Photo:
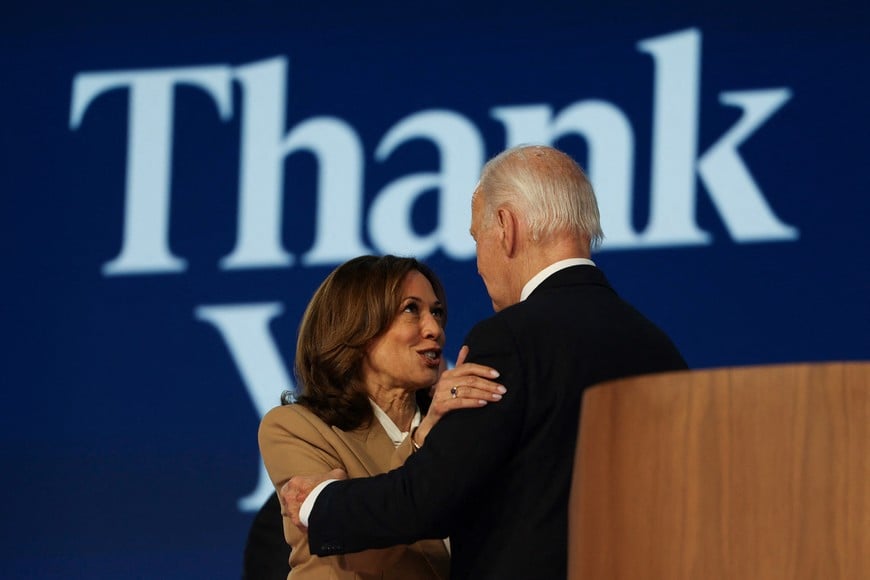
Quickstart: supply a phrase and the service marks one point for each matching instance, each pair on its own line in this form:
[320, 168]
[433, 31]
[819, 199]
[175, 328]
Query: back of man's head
[548, 188]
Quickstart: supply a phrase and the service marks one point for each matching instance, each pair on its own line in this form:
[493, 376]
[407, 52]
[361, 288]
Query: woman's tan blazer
[294, 441]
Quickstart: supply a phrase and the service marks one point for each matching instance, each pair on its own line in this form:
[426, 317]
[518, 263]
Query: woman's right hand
[466, 386]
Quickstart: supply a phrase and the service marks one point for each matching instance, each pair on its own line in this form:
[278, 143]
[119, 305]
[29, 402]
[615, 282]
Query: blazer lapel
[370, 445]
[436, 554]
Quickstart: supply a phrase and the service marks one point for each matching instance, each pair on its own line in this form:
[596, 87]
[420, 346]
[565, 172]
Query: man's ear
[509, 229]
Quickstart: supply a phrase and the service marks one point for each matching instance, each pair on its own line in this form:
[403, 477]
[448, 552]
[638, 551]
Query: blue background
[127, 433]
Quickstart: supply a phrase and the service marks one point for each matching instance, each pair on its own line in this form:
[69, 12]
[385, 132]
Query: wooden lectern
[752, 473]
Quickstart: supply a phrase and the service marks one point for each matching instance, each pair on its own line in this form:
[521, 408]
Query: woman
[370, 343]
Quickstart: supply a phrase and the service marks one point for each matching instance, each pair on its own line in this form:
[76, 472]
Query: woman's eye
[438, 313]
[411, 307]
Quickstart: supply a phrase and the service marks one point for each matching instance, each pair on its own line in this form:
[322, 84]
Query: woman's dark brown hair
[356, 303]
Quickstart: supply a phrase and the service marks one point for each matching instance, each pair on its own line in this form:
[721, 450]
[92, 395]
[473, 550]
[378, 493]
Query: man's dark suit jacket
[496, 480]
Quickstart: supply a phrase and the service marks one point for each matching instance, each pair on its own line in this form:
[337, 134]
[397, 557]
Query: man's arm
[418, 500]
[299, 494]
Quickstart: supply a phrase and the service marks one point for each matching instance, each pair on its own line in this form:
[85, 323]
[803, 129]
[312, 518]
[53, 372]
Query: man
[497, 481]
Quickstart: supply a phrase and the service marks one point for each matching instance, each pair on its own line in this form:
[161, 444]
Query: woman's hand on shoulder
[466, 386]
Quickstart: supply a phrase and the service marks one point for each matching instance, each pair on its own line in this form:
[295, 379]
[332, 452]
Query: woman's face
[408, 355]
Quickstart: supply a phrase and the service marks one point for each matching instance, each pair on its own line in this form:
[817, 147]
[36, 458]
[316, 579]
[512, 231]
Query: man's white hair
[547, 188]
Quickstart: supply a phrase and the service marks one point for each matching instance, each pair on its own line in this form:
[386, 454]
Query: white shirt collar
[393, 432]
[549, 271]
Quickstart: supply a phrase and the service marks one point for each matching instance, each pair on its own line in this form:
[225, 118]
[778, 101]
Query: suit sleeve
[461, 456]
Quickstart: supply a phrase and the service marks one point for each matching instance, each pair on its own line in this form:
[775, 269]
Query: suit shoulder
[496, 333]
[505, 319]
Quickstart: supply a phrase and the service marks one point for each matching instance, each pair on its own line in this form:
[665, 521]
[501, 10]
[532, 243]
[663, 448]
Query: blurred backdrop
[176, 178]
